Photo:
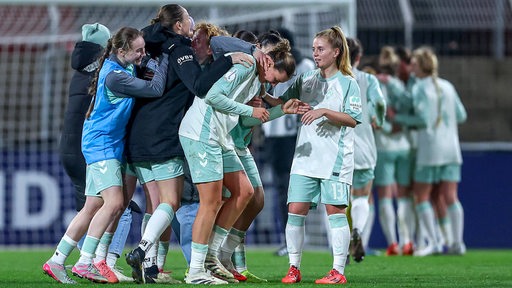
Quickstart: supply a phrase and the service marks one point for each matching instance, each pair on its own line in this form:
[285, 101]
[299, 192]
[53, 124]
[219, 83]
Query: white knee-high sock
[65, 247]
[403, 212]
[295, 231]
[159, 221]
[367, 231]
[456, 214]
[359, 212]
[197, 256]
[234, 238]
[387, 219]
[216, 238]
[427, 221]
[340, 233]
[446, 229]
[102, 249]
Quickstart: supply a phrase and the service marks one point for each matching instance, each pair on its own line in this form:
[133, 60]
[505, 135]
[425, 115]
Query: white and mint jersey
[286, 126]
[385, 140]
[365, 154]
[324, 150]
[440, 109]
[210, 120]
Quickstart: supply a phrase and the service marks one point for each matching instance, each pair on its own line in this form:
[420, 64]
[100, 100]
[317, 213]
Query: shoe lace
[293, 271]
[103, 269]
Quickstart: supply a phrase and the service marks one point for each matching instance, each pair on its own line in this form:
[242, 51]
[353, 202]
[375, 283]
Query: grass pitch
[478, 268]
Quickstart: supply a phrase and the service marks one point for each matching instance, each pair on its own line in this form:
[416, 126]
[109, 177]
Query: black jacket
[153, 128]
[83, 61]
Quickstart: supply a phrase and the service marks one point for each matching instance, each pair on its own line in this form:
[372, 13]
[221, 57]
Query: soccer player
[113, 89]
[438, 111]
[323, 163]
[204, 134]
[394, 161]
[365, 155]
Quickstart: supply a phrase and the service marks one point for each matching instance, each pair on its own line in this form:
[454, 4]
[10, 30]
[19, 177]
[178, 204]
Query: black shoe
[151, 275]
[282, 251]
[356, 246]
[135, 258]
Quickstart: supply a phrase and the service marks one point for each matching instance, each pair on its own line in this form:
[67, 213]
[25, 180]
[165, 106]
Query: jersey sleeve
[124, 85]
[375, 96]
[460, 111]
[275, 112]
[352, 105]
[218, 96]
[293, 92]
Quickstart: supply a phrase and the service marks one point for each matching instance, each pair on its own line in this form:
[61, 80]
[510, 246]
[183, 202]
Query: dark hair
[168, 15]
[121, 40]
[246, 35]
[269, 38]
[283, 59]
[355, 49]
[403, 53]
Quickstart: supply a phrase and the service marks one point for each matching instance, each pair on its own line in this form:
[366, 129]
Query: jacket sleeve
[221, 45]
[184, 63]
[125, 85]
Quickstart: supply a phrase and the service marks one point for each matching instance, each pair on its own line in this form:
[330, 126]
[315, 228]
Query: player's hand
[242, 58]
[261, 57]
[311, 116]
[295, 106]
[261, 114]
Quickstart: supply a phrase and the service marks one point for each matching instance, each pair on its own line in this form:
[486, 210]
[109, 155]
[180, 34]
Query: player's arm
[374, 94]
[124, 85]
[187, 68]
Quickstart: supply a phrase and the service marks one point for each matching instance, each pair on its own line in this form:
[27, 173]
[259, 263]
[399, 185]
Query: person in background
[365, 155]
[437, 112]
[394, 164]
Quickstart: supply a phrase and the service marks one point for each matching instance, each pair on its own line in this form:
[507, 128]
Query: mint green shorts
[209, 162]
[394, 167]
[102, 175]
[159, 171]
[362, 177]
[436, 174]
[250, 167]
[316, 190]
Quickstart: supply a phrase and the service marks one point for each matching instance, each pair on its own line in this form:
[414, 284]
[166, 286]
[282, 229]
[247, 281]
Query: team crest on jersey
[184, 59]
[355, 103]
[230, 75]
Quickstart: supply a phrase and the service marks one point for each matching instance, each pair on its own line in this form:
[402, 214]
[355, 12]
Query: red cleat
[393, 249]
[408, 249]
[237, 275]
[333, 277]
[293, 276]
